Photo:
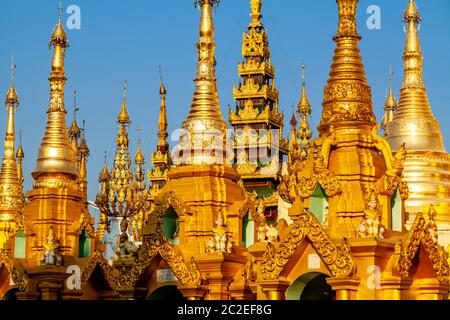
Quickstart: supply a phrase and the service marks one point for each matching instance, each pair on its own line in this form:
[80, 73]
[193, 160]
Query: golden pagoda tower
[20, 154]
[11, 196]
[203, 182]
[74, 130]
[161, 158]
[84, 154]
[123, 192]
[389, 107]
[304, 111]
[256, 118]
[347, 222]
[427, 166]
[56, 201]
[292, 139]
[346, 137]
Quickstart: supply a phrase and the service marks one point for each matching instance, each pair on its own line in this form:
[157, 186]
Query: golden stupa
[427, 165]
[213, 224]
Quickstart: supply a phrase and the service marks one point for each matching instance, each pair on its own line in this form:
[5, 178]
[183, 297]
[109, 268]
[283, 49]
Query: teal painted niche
[318, 203]
[248, 231]
[170, 225]
[20, 242]
[396, 211]
[84, 245]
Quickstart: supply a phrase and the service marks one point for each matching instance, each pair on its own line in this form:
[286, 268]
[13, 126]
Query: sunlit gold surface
[205, 124]
[11, 197]
[427, 167]
[389, 108]
[161, 158]
[56, 154]
[58, 198]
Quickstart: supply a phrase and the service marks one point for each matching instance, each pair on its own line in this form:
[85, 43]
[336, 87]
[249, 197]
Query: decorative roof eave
[253, 67]
[158, 245]
[18, 276]
[110, 273]
[254, 91]
[251, 115]
[341, 264]
[255, 44]
[407, 248]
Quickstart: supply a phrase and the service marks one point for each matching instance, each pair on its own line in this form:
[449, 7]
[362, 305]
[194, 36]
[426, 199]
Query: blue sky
[121, 40]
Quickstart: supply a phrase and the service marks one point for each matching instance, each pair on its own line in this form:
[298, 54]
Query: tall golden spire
[20, 155]
[389, 107]
[123, 199]
[139, 161]
[292, 138]
[304, 110]
[162, 145]
[56, 154]
[123, 116]
[84, 154]
[75, 131]
[205, 128]
[414, 122]
[347, 97]
[161, 158]
[11, 200]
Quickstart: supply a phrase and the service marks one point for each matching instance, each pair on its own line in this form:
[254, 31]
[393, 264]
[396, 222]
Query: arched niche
[20, 243]
[396, 211]
[318, 203]
[248, 231]
[310, 286]
[84, 245]
[10, 294]
[171, 225]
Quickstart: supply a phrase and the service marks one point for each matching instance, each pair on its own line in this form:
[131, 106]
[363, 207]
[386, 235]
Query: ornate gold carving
[295, 185]
[347, 97]
[154, 244]
[338, 258]
[19, 278]
[251, 89]
[255, 43]
[110, 273]
[407, 248]
[84, 224]
[249, 272]
[166, 201]
[252, 66]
